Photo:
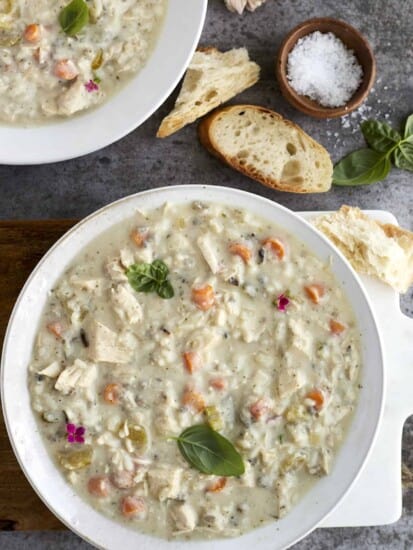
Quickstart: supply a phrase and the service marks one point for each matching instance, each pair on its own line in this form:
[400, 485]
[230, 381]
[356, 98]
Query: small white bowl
[39, 467]
[81, 134]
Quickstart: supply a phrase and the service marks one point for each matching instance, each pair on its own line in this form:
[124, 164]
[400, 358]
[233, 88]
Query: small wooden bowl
[353, 39]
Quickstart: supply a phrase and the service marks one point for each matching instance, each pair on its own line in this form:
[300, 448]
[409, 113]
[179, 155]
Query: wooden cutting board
[22, 244]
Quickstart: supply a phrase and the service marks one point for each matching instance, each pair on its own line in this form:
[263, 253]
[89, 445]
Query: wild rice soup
[54, 66]
[258, 341]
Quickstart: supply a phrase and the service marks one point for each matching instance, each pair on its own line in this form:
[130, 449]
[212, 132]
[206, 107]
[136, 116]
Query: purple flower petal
[75, 434]
[91, 86]
[282, 302]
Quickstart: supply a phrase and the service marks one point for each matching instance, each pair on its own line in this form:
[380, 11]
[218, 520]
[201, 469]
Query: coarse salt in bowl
[325, 68]
[322, 68]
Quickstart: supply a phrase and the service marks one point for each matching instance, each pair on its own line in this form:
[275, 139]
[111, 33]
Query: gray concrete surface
[140, 161]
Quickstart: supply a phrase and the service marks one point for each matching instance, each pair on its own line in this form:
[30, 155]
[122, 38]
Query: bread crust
[206, 49]
[204, 133]
[397, 232]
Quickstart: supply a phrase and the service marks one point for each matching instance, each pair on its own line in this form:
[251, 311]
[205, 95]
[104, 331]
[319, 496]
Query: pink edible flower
[91, 86]
[75, 434]
[282, 302]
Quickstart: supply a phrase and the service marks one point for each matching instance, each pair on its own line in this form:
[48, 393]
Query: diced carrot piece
[56, 328]
[122, 479]
[192, 361]
[241, 250]
[259, 408]
[218, 383]
[336, 327]
[111, 393]
[203, 297]
[139, 237]
[276, 246]
[315, 292]
[133, 506]
[217, 486]
[65, 69]
[193, 400]
[32, 33]
[318, 397]
[98, 486]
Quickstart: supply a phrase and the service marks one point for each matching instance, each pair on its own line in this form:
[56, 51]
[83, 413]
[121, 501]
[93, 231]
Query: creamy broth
[258, 340]
[44, 73]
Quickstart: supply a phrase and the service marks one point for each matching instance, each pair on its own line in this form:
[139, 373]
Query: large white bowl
[41, 470]
[64, 139]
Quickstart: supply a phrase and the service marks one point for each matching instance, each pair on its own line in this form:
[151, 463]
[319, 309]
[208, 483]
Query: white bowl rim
[235, 543]
[94, 129]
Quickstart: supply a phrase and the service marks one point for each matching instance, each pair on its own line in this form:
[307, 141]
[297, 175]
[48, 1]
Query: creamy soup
[54, 63]
[195, 315]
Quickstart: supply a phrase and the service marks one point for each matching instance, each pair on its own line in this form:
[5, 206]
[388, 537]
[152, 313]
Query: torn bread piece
[379, 249]
[212, 78]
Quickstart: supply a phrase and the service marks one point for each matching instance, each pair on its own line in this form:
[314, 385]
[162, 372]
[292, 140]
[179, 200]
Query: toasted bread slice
[379, 249]
[264, 146]
[212, 78]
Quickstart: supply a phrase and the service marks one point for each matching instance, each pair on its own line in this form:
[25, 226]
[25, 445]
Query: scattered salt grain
[353, 120]
[345, 122]
[321, 67]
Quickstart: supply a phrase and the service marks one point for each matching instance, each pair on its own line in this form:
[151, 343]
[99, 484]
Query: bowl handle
[405, 364]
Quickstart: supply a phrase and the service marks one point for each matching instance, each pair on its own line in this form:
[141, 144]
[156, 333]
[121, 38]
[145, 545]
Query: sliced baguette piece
[212, 78]
[379, 249]
[263, 145]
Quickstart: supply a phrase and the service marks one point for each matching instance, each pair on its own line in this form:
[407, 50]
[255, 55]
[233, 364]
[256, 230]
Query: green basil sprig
[210, 452]
[74, 17]
[152, 277]
[379, 135]
[403, 156]
[373, 164]
[362, 168]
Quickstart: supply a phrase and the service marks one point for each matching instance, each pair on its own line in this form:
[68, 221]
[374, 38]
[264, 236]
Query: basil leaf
[159, 270]
[139, 277]
[145, 284]
[165, 290]
[379, 136]
[74, 17]
[152, 277]
[403, 155]
[362, 167]
[210, 452]
[408, 128]
[142, 269]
